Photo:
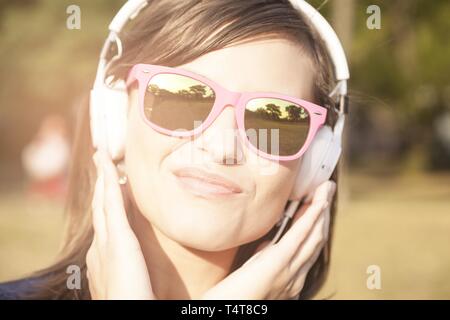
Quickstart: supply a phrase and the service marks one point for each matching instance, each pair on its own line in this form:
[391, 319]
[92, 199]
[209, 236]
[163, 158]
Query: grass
[30, 234]
[401, 224]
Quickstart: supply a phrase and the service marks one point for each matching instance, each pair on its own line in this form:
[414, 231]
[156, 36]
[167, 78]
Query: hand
[116, 267]
[279, 271]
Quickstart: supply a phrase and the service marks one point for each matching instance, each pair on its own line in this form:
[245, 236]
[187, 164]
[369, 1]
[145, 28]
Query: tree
[293, 112]
[274, 111]
[198, 91]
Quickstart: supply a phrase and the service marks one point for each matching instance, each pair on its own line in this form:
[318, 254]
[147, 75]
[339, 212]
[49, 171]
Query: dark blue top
[17, 289]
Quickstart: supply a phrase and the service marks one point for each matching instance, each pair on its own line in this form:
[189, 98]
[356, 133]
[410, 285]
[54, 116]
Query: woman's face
[204, 215]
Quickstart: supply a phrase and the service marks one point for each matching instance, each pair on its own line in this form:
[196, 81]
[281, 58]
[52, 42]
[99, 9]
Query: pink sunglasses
[180, 103]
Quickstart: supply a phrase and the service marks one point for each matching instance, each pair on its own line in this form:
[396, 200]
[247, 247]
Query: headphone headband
[326, 32]
[129, 11]
[341, 71]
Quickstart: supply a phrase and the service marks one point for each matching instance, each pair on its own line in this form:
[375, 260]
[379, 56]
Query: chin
[201, 234]
[213, 236]
[204, 241]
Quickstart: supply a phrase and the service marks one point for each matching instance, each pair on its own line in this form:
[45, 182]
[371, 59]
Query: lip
[201, 182]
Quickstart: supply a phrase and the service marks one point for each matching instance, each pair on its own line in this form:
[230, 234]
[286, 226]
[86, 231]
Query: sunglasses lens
[276, 126]
[177, 102]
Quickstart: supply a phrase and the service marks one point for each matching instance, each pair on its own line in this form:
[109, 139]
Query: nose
[221, 139]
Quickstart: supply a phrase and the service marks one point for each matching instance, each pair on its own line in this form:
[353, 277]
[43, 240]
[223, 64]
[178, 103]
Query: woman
[198, 229]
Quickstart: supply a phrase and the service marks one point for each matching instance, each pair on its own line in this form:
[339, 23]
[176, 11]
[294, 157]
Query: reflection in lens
[177, 102]
[282, 126]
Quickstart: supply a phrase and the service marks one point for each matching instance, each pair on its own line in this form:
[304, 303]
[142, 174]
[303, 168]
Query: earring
[123, 179]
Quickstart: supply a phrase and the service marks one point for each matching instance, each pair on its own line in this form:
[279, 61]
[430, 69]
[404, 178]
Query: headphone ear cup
[109, 113]
[318, 163]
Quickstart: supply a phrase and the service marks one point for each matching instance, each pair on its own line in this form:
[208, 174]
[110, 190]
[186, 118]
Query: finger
[91, 261]
[98, 216]
[92, 254]
[328, 215]
[324, 191]
[93, 287]
[304, 260]
[116, 219]
[294, 237]
[90, 285]
[299, 278]
[312, 245]
[326, 227]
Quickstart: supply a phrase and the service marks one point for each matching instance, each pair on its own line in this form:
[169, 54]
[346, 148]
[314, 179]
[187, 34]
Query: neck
[177, 271]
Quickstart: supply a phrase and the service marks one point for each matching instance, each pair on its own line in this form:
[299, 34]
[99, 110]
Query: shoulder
[18, 289]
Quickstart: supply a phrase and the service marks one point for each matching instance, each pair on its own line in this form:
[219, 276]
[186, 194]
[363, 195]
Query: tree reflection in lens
[286, 125]
[177, 102]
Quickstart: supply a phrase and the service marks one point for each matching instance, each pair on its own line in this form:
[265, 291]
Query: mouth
[205, 184]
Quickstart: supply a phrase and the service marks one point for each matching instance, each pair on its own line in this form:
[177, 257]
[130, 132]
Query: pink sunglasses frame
[144, 72]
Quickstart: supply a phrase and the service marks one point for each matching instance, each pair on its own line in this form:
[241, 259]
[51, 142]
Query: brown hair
[171, 33]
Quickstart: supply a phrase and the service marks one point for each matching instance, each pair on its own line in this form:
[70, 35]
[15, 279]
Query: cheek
[144, 152]
[144, 147]
[272, 194]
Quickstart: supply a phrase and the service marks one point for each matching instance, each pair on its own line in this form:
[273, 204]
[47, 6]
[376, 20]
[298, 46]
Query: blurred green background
[394, 205]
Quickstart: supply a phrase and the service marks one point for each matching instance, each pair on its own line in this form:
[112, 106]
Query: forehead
[274, 65]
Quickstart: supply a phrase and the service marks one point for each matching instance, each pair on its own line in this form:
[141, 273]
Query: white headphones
[109, 106]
